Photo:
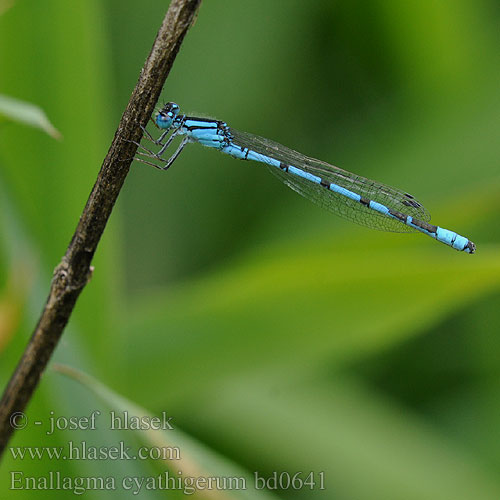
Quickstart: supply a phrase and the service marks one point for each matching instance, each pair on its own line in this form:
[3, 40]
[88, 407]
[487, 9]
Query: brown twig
[74, 271]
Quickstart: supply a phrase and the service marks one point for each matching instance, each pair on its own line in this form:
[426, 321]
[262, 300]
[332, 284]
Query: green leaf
[369, 447]
[26, 113]
[334, 303]
[196, 460]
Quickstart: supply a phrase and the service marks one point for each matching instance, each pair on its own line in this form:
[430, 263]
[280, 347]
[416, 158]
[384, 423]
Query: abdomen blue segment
[252, 155]
[343, 192]
[378, 207]
[451, 238]
[234, 151]
[303, 174]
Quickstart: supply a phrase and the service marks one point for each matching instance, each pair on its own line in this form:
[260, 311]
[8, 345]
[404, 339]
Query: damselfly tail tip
[470, 247]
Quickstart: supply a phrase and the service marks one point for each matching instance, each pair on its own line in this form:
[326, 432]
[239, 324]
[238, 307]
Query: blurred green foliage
[279, 336]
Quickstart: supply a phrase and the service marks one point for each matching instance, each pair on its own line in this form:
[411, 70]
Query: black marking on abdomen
[284, 166]
[365, 201]
[424, 225]
[398, 215]
[325, 183]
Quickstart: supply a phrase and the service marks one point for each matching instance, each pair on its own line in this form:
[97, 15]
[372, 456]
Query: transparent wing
[336, 203]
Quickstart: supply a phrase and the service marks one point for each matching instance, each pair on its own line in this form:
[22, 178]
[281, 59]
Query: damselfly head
[167, 114]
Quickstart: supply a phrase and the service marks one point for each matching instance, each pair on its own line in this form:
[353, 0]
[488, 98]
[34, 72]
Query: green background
[277, 335]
